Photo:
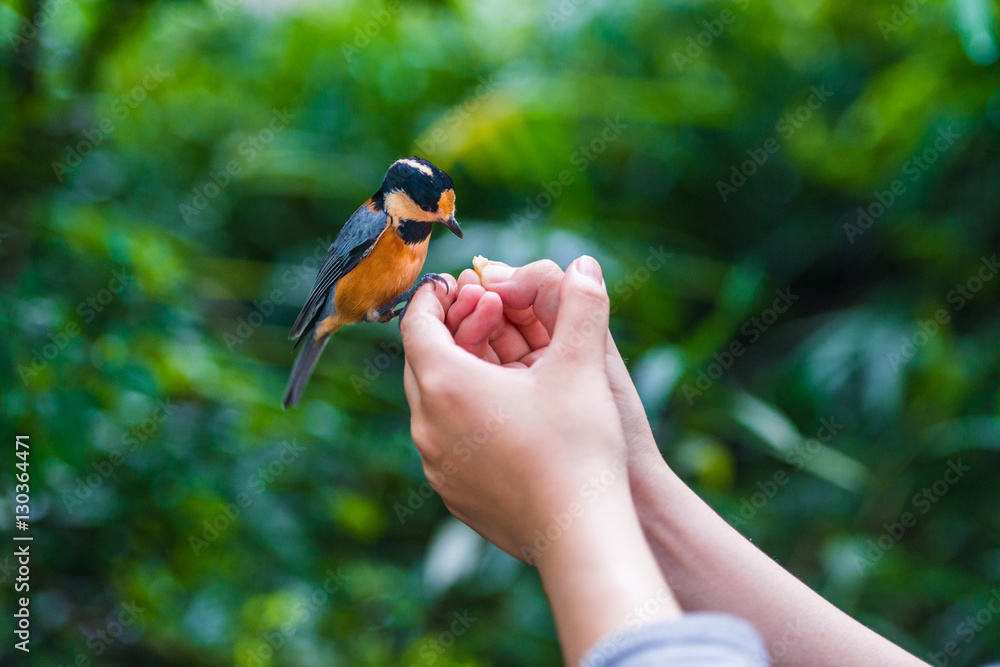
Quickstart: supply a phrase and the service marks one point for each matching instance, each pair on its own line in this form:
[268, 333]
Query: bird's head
[414, 189]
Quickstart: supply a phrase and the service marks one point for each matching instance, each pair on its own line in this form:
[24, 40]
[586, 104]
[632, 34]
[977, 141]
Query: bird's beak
[452, 224]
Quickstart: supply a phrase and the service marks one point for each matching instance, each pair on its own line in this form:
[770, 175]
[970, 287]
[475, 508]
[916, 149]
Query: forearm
[601, 577]
[712, 567]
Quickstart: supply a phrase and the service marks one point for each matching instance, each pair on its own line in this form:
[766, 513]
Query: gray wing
[354, 241]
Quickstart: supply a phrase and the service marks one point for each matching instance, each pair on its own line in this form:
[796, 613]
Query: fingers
[530, 295]
[477, 329]
[508, 342]
[534, 286]
[476, 321]
[528, 328]
[445, 296]
[468, 298]
[426, 339]
[581, 329]
[529, 359]
[518, 334]
[468, 277]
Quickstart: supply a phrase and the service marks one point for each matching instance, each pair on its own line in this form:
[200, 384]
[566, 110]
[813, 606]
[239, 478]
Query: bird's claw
[386, 313]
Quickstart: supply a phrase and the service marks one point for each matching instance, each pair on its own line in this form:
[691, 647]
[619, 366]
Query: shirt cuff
[706, 639]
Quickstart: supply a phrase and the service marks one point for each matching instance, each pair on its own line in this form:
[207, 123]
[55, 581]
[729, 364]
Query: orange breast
[386, 272]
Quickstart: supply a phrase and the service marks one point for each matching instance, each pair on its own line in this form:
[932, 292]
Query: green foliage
[170, 170]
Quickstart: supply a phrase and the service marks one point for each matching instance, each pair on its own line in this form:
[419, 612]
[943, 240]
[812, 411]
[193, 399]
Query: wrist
[593, 523]
[600, 575]
[603, 545]
[649, 475]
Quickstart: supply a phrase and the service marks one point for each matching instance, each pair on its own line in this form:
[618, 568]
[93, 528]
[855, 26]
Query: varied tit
[374, 259]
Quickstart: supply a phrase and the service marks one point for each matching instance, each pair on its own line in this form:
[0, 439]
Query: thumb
[581, 330]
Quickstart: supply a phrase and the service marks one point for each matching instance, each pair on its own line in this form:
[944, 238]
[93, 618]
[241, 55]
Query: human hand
[710, 565]
[524, 444]
[509, 448]
[515, 332]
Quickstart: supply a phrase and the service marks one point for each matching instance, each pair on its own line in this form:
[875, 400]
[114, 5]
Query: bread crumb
[479, 263]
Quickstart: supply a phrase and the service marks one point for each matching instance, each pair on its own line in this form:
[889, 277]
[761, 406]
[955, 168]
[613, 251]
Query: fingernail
[497, 274]
[589, 267]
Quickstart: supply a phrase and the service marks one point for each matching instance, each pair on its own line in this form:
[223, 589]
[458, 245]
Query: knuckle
[454, 510]
[440, 388]
[594, 293]
[546, 267]
[422, 438]
[412, 326]
[408, 327]
[432, 384]
[592, 297]
[468, 277]
[433, 477]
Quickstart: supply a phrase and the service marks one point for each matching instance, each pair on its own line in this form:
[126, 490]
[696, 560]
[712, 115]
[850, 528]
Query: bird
[377, 255]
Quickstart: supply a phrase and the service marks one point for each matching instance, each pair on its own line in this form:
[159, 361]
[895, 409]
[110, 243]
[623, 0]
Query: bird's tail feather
[312, 348]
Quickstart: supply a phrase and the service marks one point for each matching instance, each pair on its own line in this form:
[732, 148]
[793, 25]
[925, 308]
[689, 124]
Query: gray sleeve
[696, 640]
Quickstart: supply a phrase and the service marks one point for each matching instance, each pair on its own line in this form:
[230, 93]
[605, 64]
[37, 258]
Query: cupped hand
[507, 317]
[512, 434]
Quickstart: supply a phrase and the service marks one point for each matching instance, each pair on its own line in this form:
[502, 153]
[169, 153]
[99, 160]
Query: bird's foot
[387, 312]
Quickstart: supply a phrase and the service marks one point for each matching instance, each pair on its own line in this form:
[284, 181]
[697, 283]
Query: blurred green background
[818, 353]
